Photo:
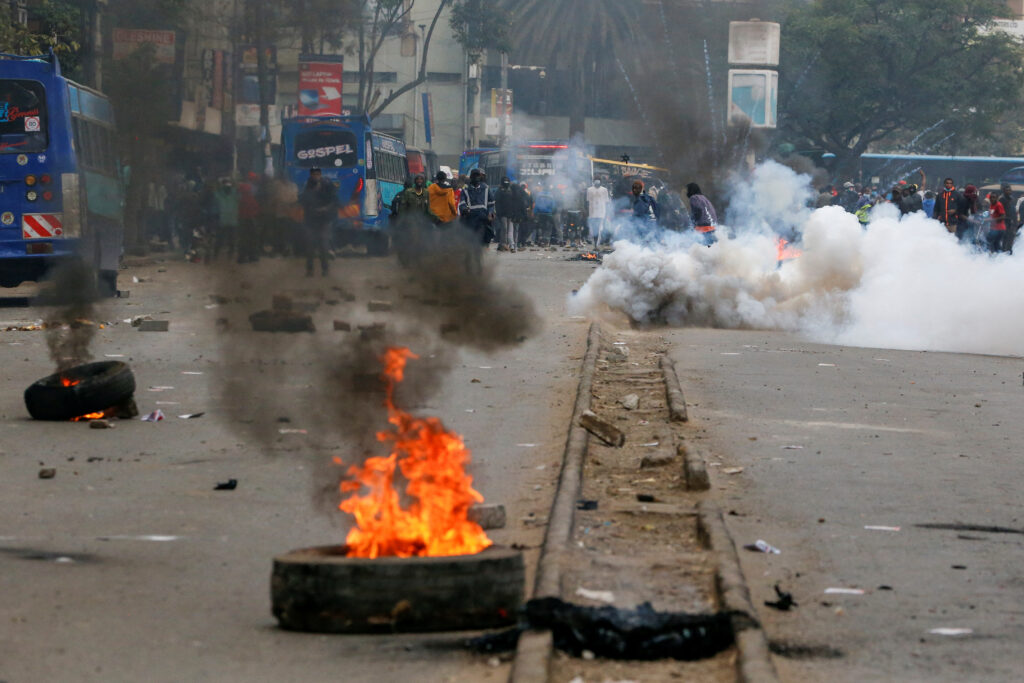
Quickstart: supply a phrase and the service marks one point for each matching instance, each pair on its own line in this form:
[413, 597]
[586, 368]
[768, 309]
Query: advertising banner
[128, 40]
[320, 81]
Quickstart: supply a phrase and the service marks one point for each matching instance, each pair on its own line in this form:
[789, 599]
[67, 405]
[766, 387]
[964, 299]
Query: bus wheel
[378, 243]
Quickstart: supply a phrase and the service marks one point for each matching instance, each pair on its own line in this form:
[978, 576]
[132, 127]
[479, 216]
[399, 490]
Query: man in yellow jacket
[442, 199]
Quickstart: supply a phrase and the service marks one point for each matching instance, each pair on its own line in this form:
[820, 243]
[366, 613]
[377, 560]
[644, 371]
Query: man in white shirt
[597, 209]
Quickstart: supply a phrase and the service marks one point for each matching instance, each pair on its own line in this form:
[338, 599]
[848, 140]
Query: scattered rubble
[602, 429]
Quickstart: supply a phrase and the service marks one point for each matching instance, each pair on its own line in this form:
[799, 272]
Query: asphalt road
[833, 440]
[86, 591]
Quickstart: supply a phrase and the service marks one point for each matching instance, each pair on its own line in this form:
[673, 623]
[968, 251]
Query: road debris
[641, 633]
[47, 472]
[732, 470]
[191, 416]
[379, 306]
[760, 546]
[951, 631]
[630, 401]
[586, 504]
[372, 332]
[155, 416]
[659, 459]
[597, 596]
[229, 485]
[785, 601]
[341, 326]
[602, 429]
[281, 321]
[871, 527]
[844, 591]
[488, 516]
[101, 424]
[292, 431]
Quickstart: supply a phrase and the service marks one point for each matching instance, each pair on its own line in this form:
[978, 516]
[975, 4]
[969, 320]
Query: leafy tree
[572, 35]
[56, 25]
[859, 72]
[481, 25]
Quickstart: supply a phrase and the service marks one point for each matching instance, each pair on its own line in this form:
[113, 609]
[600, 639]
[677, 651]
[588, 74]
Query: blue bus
[470, 159]
[368, 168]
[61, 194]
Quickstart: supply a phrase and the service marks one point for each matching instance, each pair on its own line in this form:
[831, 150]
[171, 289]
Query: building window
[443, 77]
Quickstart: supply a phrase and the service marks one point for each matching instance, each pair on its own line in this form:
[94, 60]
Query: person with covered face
[476, 207]
[702, 213]
[319, 201]
[507, 209]
[415, 221]
[951, 208]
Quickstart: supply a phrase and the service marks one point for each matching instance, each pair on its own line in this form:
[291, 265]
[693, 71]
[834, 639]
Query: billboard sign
[754, 42]
[753, 96]
[128, 40]
[320, 81]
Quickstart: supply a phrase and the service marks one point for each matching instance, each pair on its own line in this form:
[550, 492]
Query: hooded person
[476, 207]
[442, 199]
[702, 213]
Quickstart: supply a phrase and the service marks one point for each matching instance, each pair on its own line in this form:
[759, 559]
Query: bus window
[22, 116]
[416, 164]
[326, 148]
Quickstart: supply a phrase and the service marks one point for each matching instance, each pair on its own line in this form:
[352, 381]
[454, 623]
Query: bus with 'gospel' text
[368, 169]
[61, 194]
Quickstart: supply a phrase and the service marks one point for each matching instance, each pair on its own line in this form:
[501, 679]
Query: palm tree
[573, 36]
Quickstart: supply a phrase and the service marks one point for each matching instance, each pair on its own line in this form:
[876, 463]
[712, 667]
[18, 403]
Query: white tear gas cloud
[898, 283]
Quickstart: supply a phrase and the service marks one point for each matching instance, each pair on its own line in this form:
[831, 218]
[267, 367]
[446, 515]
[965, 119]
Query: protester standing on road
[476, 207]
[997, 224]
[1012, 217]
[507, 210]
[415, 221]
[951, 208]
[544, 207]
[703, 214]
[226, 200]
[526, 222]
[442, 200]
[319, 201]
[598, 200]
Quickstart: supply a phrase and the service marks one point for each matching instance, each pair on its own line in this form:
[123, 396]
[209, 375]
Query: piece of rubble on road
[602, 429]
[488, 516]
[659, 458]
[341, 326]
[378, 306]
[372, 332]
[154, 325]
[281, 321]
[630, 401]
[48, 473]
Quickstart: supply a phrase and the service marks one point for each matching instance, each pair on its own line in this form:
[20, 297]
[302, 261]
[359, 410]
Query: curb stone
[754, 664]
[673, 391]
[533, 652]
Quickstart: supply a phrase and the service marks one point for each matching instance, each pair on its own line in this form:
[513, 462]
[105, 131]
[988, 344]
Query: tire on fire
[321, 590]
[99, 386]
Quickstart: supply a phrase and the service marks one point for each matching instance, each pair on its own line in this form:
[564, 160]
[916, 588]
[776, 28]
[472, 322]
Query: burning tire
[323, 591]
[89, 388]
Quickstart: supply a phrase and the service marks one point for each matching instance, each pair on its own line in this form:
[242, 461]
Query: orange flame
[433, 461]
[786, 253]
[90, 416]
[66, 382]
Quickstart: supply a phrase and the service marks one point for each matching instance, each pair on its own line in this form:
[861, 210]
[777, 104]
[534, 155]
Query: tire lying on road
[321, 590]
[97, 386]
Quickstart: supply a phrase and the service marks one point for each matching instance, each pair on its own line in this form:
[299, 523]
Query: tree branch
[423, 65]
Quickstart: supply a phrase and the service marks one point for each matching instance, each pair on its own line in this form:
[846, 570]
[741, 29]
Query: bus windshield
[330, 147]
[22, 116]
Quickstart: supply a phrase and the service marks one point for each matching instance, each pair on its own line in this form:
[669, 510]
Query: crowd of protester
[989, 222]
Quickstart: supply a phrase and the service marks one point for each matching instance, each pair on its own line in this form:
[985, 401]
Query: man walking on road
[319, 201]
[477, 207]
